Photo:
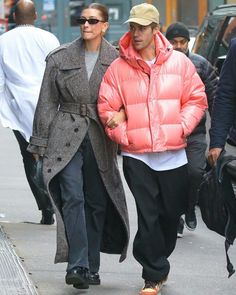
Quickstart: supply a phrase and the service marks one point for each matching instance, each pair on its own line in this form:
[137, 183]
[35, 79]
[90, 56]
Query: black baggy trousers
[161, 198]
[42, 199]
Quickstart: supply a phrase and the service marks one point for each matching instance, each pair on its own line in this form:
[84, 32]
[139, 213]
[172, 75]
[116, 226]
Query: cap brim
[140, 21]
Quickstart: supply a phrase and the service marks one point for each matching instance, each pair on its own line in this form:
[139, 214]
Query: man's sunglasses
[91, 21]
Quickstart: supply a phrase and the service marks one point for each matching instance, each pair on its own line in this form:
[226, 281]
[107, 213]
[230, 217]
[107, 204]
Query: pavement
[198, 264]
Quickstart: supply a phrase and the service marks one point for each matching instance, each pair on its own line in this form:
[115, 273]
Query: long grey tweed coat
[66, 111]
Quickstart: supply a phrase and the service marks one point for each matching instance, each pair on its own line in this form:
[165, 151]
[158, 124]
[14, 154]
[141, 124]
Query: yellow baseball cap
[144, 14]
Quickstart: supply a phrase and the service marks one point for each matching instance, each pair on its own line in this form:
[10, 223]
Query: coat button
[59, 159]
[67, 144]
[49, 170]
[76, 129]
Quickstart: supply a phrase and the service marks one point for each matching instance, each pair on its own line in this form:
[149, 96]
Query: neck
[148, 53]
[93, 45]
[24, 25]
[24, 22]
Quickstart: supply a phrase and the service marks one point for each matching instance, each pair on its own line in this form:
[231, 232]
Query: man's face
[142, 36]
[180, 44]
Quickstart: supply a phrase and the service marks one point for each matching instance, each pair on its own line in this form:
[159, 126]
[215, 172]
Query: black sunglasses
[91, 21]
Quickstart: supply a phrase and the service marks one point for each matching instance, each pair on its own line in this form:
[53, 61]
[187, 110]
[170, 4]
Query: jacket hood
[163, 49]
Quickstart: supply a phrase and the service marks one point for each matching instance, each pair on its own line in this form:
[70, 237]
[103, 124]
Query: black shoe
[94, 278]
[47, 217]
[191, 220]
[78, 278]
[81, 286]
[180, 228]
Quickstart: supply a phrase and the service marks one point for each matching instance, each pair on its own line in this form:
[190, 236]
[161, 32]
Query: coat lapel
[105, 58]
[74, 58]
[75, 73]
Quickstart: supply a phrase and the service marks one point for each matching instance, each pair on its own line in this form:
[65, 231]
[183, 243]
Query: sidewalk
[14, 279]
[198, 265]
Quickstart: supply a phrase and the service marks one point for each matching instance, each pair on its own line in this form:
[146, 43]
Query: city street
[198, 265]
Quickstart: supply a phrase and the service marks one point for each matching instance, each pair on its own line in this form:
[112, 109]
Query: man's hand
[118, 118]
[213, 155]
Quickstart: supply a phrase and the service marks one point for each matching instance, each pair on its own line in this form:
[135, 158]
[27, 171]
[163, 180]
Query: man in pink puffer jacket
[150, 100]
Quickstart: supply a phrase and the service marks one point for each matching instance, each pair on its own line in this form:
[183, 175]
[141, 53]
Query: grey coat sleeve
[46, 109]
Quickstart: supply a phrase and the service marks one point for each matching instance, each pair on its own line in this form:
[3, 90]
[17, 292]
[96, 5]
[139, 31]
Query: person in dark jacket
[224, 108]
[79, 161]
[179, 37]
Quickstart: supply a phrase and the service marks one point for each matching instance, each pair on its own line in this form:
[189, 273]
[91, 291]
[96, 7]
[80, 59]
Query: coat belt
[82, 109]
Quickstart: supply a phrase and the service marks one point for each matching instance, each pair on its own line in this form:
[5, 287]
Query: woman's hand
[118, 118]
[36, 157]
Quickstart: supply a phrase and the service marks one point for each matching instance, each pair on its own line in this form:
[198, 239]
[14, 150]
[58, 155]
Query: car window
[208, 34]
[215, 34]
[230, 32]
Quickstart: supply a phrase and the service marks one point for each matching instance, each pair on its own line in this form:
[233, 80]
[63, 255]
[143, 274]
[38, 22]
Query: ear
[105, 27]
[156, 29]
[14, 16]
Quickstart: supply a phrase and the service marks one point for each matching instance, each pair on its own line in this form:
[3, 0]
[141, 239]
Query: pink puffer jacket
[163, 104]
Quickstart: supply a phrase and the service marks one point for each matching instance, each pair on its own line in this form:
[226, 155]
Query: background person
[163, 100]
[224, 108]
[10, 18]
[179, 37]
[79, 160]
[22, 63]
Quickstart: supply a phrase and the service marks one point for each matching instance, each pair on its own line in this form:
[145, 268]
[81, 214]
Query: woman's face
[93, 30]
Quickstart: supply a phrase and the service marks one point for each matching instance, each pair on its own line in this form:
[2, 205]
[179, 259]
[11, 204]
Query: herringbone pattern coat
[66, 111]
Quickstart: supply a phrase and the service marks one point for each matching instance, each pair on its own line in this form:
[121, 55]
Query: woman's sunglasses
[91, 21]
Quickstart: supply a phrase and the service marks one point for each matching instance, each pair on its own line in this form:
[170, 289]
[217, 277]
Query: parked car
[214, 35]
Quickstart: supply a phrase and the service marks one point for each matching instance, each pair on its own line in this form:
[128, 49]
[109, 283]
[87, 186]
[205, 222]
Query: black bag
[43, 199]
[217, 202]
[37, 176]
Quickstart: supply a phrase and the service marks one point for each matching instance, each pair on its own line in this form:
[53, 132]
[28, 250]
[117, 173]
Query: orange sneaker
[151, 288]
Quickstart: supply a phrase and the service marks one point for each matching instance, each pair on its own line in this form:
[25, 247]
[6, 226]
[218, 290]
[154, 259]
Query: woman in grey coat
[79, 161]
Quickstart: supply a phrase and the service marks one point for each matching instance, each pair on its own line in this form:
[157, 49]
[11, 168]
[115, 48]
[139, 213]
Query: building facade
[190, 12]
[59, 16]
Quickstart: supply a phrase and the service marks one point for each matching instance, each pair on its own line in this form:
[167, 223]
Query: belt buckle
[83, 110]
